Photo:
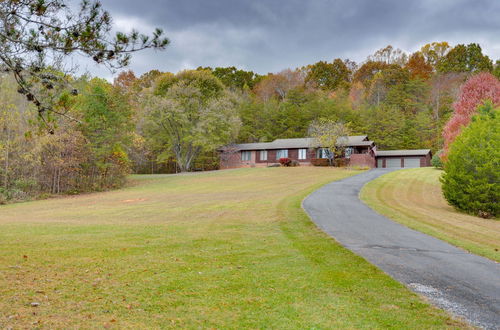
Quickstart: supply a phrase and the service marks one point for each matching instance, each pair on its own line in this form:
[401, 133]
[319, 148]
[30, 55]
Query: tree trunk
[7, 154]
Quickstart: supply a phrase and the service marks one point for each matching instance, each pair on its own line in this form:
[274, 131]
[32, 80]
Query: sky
[272, 35]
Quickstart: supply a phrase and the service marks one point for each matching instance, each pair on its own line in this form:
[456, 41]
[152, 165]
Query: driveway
[464, 284]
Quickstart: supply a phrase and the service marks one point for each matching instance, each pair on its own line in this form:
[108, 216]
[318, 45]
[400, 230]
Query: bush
[285, 161]
[470, 181]
[295, 163]
[341, 162]
[320, 162]
[3, 198]
[436, 160]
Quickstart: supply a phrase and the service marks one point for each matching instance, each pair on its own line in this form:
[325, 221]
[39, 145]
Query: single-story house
[358, 151]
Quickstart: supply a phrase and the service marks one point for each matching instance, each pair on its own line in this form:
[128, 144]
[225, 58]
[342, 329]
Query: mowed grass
[413, 197]
[228, 249]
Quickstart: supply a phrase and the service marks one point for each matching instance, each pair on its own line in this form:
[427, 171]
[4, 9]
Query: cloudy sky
[271, 35]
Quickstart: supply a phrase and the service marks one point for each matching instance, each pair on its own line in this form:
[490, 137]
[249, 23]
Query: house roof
[415, 152]
[352, 141]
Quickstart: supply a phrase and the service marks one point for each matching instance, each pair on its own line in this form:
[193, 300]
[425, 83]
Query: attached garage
[393, 162]
[411, 162]
[403, 158]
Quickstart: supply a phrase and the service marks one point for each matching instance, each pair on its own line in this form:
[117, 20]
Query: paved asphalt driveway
[462, 283]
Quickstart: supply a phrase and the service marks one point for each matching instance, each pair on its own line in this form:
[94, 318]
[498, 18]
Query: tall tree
[418, 66]
[367, 71]
[389, 55]
[329, 76]
[191, 113]
[496, 69]
[465, 58]
[278, 85]
[434, 52]
[233, 78]
[477, 89]
[37, 36]
[105, 122]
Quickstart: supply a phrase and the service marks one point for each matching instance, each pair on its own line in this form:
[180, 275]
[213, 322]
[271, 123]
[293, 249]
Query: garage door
[380, 162]
[393, 162]
[412, 162]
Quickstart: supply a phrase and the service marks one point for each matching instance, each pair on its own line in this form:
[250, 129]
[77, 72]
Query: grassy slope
[413, 197]
[227, 249]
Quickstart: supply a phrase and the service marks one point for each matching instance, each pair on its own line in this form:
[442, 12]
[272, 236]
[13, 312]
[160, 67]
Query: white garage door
[393, 162]
[380, 162]
[412, 162]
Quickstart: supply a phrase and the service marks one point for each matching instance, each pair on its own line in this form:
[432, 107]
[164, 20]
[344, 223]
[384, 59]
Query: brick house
[359, 151]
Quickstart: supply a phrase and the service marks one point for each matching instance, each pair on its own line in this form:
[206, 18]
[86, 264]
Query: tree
[386, 126]
[105, 122]
[496, 69]
[434, 52]
[389, 55]
[233, 78]
[367, 71]
[278, 85]
[445, 88]
[37, 36]
[465, 58]
[125, 80]
[419, 67]
[190, 113]
[329, 76]
[330, 135]
[470, 181]
[481, 87]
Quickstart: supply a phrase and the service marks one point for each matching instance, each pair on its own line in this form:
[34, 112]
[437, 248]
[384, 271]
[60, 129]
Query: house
[358, 151]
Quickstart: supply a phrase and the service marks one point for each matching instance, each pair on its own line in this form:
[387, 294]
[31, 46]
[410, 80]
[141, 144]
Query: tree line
[161, 122]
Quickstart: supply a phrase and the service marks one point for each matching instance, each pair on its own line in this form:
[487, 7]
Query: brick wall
[362, 160]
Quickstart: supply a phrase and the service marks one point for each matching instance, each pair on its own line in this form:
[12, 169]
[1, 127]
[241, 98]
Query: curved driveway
[465, 284]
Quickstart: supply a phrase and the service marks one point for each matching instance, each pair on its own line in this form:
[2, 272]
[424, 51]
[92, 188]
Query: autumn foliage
[474, 92]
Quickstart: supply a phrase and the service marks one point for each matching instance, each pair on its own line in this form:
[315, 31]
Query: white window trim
[279, 154]
[243, 158]
[263, 155]
[302, 154]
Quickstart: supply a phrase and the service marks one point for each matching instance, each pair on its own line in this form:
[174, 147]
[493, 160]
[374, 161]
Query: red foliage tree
[477, 89]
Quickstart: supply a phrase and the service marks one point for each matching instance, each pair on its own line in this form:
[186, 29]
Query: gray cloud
[270, 35]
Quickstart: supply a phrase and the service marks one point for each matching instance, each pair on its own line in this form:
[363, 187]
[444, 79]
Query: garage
[403, 158]
[411, 162]
[393, 162]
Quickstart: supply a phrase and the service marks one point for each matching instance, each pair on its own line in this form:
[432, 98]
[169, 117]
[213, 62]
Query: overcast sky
[271, 35]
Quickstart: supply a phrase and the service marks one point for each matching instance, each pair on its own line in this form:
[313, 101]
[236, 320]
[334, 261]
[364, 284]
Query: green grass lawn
[413, 197]
[228, 249]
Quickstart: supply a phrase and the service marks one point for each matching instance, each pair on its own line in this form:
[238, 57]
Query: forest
[162, 122]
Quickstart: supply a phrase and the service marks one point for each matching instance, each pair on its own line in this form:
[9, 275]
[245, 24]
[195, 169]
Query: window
[348, 152]
[246, 155]
[302, 153]
[283, 153]
[322, 153]
[263, 155]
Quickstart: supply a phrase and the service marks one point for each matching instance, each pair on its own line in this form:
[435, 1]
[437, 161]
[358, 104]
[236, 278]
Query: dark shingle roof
[415, 152]
[352, 141]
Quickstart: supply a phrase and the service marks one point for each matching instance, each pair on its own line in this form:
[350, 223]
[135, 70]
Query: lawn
[227, 249]
[413, 197]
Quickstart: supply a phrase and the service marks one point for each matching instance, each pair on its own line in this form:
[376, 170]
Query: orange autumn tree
[477, 89]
